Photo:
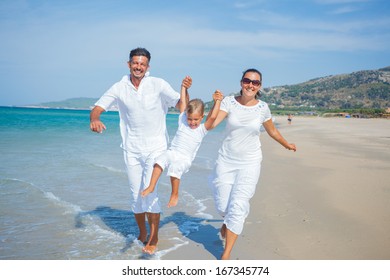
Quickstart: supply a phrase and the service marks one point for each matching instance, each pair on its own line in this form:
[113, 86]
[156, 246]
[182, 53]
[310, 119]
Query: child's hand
[217, 95]
[187, 82]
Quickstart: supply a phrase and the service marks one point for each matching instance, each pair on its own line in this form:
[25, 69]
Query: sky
[55, 50]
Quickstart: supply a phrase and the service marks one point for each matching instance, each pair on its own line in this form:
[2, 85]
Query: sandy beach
[328, 201]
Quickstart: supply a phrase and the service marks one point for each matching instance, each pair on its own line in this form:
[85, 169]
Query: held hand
[97, 126]
[217, 95]
[187, 82]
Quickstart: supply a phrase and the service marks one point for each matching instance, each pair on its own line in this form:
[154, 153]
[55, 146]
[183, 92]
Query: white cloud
[93, 43]
[344, 10]
[341, 1]
[243, 4]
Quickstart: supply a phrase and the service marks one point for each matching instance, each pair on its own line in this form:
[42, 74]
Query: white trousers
[139, 170]
[233, 186]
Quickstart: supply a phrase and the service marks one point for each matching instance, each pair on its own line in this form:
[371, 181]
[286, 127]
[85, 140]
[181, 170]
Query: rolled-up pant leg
[139, 170]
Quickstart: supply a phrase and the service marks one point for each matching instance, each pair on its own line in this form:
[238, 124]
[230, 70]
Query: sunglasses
[247, 81]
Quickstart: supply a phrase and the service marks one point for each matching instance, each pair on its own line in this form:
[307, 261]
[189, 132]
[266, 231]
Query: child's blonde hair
[195, 105]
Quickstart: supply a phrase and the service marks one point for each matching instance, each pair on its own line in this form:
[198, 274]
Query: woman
[237, 169]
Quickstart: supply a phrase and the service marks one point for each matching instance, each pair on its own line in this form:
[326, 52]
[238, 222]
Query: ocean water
[64, 192]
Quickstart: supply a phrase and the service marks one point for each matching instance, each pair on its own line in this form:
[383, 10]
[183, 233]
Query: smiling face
[138, 66]
[195, 113]
[250, 84]
[194, 119]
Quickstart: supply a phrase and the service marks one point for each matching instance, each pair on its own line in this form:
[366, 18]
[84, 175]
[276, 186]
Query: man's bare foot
[147, 191]
[223, 231]
[149, 249]
[173, 200]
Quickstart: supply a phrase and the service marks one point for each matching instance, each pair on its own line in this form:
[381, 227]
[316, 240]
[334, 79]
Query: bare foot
[173, 200]
[147, 191]
[149, 249]
[225, 256]
[223, 231]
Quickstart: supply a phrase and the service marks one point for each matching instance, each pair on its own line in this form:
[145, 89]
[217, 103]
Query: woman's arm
[275, 134]
[213, 113]
[220, 117]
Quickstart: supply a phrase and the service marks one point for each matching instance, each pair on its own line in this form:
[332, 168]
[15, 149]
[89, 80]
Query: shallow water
[64, 191]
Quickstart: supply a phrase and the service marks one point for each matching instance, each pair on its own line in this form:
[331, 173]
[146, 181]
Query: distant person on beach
[143, 102]
[289, 118]
[184, 146]
[237, 168]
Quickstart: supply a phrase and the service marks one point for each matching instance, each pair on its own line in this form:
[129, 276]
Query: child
[178, 158]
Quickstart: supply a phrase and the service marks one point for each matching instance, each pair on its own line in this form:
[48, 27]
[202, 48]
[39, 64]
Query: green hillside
[362, 89]
[73, 103]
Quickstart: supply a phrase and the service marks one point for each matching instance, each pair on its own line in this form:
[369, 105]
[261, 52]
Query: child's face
[194, 119]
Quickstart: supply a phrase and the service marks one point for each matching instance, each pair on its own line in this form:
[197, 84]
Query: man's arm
[95, 124]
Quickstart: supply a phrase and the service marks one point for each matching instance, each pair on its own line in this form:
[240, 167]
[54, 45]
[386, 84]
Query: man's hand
[187, 82]
[97, 126]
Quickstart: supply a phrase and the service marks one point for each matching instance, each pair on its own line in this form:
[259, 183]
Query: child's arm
[213, 113]
[184, 97]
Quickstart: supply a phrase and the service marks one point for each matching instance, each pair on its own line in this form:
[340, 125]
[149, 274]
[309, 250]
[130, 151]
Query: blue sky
[54, 50]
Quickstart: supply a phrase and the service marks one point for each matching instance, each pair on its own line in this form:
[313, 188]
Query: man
[143, 103]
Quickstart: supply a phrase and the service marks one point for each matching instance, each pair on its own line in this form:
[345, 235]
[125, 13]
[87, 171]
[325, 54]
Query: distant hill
[362, 89]
[72, 103]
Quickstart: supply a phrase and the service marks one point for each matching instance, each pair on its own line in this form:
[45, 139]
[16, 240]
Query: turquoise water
[64, 191]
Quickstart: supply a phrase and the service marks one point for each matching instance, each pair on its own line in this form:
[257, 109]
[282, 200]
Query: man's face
[138, 66]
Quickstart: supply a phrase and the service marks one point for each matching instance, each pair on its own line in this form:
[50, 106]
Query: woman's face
[250, 84]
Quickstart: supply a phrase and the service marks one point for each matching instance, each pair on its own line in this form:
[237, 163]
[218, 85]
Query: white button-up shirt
[142, 112]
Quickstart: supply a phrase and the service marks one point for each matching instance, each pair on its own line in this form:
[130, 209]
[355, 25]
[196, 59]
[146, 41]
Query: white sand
[329, 200]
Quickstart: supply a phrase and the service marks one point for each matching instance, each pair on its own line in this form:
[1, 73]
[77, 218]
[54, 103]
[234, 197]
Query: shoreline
[327, 201]
[339, 115]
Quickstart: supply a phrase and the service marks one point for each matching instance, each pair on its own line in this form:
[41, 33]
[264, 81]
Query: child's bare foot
[147, 191]
[174, 199]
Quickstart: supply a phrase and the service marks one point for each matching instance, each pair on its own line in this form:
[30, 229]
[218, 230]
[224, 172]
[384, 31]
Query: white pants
[139, 170]
[233, 186]
[177, 163]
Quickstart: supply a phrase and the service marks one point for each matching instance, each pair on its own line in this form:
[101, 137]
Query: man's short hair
[140, 52]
